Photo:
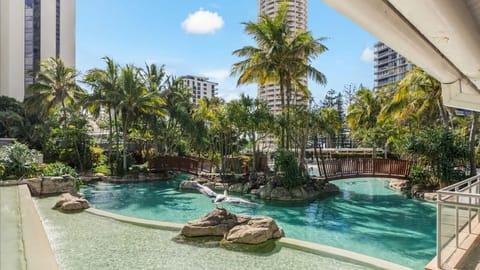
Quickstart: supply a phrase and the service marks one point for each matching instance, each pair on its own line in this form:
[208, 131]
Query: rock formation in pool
[238, 232]
[266, 187]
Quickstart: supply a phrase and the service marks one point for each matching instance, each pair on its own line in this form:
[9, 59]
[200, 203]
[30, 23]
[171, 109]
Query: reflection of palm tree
[55, 86]
[282, 57]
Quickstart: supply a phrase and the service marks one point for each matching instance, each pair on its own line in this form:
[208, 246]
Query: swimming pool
[365, 217]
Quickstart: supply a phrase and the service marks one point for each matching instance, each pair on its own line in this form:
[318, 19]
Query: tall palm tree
[105, 83]
[55, 86]
[134, 101]
[282, 57]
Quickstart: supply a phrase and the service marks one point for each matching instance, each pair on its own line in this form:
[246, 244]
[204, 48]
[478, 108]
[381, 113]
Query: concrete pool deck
[23, 240]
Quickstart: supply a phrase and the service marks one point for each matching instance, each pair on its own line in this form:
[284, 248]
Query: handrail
[462, 196]
[476, 177]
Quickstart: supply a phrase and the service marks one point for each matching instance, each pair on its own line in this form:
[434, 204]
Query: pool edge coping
[38, 250]
[314, 248]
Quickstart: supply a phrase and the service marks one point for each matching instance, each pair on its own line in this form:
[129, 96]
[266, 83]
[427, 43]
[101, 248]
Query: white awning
[440, 36]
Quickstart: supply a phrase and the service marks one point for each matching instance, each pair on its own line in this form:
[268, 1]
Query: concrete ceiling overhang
[440, 36]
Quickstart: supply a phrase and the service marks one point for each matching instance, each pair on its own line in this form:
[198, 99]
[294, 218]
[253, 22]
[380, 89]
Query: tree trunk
[473, 132]
[117, 140]
[323, 163]
[110, 138]
[125, 134]
[315, 143]
[282, 100]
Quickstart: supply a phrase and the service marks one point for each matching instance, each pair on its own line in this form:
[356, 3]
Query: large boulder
[68, 202]
[257, 230]
[233, 228]
[216, 223]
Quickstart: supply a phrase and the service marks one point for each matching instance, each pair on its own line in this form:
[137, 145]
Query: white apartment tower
[390, 67]
[296, 20]
[201, 87]
[32, 31]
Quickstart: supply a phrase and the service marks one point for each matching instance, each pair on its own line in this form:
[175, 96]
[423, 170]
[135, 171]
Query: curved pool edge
[304, 246]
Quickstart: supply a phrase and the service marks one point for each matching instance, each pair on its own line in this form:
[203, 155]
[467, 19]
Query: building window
[57, 30]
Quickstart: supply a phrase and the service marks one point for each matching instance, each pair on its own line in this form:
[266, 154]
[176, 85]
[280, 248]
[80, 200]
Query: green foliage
[71, 144]
[18, 160]
[439, 150]
[103, 169]
[2, 171]
[287, 165]
[58, 169]
[419, 175]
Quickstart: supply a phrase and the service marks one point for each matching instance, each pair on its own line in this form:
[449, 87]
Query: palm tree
[105, 83]
[134, 101]
[55, 86]
[362, 116]
[282, 57]
[252, 119]
[419, 94]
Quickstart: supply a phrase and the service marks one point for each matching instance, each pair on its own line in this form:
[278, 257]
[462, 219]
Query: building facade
[296, 20]
[201, 87]
[32, 31]
[390, 67]
[270, 93]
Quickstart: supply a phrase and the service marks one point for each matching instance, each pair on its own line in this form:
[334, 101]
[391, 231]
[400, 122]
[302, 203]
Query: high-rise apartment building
[389, 66]
[201, 87]
[296, 20]
[32, 31]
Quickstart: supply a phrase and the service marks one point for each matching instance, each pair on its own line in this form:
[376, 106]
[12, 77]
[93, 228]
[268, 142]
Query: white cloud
[367, 55]
[218, 75]
[202, 22]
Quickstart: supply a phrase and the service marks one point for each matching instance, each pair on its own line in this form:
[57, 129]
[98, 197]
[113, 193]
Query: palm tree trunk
[117, 139]
[315, 143]
[125, 134]
[110, 138]
[473, 132]
[282, 100]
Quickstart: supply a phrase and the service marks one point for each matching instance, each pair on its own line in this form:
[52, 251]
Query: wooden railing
[352, 167]
[183, 164]
[334, 168]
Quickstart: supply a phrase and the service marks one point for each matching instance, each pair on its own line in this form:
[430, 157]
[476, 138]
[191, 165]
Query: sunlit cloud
[367, 55]
[202, 22]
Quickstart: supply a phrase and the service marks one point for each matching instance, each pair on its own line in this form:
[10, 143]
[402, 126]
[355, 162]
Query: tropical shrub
[18, 160]
[103, 169]
[286, 164]
[440, 151]
[419, 175]
[58, 169]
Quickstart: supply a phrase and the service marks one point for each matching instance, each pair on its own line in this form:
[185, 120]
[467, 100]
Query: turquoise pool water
[85, 241]
[365, 217]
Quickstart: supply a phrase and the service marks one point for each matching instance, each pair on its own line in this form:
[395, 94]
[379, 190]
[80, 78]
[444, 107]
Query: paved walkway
[23, 241]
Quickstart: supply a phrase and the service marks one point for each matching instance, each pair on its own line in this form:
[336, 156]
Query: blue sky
[198, 37]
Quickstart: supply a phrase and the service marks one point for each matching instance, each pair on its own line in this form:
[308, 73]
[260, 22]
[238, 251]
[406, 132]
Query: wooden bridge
[365, 167]
[182, 164]
[334, 168]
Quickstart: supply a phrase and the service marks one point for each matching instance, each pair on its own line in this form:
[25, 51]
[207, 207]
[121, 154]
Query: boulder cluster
[240, 229]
